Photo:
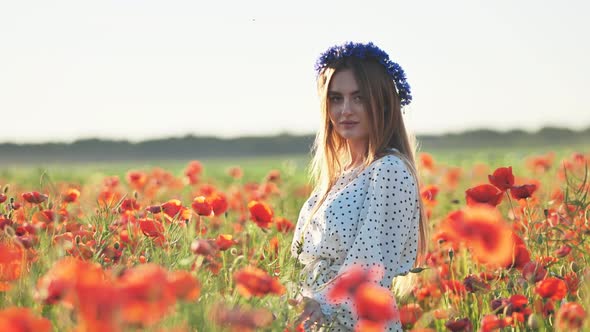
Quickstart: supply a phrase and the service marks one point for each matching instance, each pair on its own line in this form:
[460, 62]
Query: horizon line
[283, 133]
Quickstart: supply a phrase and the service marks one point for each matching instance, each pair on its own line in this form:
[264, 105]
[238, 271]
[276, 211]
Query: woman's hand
[312, 314]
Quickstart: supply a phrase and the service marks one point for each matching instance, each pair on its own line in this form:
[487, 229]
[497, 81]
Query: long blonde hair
[387, 130]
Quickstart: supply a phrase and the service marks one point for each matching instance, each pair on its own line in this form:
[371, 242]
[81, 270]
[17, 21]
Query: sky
[144, 69]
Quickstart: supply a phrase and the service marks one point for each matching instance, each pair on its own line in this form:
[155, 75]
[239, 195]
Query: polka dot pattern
[369, 218]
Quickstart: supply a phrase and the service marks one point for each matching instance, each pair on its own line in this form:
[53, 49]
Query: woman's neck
[358, 153]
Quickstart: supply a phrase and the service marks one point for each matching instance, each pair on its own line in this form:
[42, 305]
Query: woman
[366, 208]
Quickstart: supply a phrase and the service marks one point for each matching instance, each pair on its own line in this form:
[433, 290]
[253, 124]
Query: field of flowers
[207, 248]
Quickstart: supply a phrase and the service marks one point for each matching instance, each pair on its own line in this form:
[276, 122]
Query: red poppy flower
[533, 271]
[542, 163]
[174, 209]
[207, 189]
[441, 313]
[11, 264]
[544, 306]
[194, 166]
[252, 281]
[365, 325]
[71, 195]
[43, 216]
[97, 305]
[375, 303]
[524, 191]
[570, 316]
[459, 325]
[129, 204]
[572, 281]
[184, 285]
[274, 246]
[521, 254]
[427, 291]
[427, 161]
[22, 320]
[553, 288]
[518, 302]
[34, 197]
[578, 157]
[218, 203]
[225, 241]
[491, 323]
[3, 198]
[108, 197]
[548, 260]
[283, 225]
[203, 247]
[260, 213]
[498, 303]
[201, 206]
[474, 284]
[155, 209]
[563, 251]
[5, 222]
[482, 228]
[429, 192]
[145, 295]
[136, 179]
[153, 229]
[502, 178]
[409, 314]
[347, 283]
[150, 227]
[235, 172]
[273, 176]
[452, 177]
[266, 189]
[59, 283]
[454, 286]
[193, 171]
[485, 193]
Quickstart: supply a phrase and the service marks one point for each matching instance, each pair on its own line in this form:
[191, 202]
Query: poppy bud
[154, 209]
[534, 322]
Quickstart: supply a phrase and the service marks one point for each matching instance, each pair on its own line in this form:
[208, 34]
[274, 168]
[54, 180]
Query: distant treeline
[192, 147]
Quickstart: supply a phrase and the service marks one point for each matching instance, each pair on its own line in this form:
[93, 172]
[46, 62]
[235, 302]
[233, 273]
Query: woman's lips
[348, 124]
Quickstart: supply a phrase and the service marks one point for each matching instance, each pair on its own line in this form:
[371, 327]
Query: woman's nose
[346, 106]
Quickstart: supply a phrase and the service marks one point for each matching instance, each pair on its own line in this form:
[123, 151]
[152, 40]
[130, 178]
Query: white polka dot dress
[369, 218]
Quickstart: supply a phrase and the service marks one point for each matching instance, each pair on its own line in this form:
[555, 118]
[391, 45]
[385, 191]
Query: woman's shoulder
[391, 166]
[393, 159]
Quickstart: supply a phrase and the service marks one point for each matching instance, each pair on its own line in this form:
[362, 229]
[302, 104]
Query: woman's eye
[358, 98]
[335, 99]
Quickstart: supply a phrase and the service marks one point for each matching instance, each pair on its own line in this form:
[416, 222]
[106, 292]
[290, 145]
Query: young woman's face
[347, 108]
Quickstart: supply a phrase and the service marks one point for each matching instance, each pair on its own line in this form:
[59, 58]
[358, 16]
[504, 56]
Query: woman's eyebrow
[355, 92]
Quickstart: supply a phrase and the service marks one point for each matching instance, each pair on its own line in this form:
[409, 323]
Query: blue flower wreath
[365, 51]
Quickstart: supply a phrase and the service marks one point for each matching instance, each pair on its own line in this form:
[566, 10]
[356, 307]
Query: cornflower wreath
[366, 51]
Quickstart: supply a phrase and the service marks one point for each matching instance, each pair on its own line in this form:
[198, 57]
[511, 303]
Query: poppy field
[204, 246]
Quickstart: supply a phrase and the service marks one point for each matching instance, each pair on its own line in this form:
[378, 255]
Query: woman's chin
[349, 134]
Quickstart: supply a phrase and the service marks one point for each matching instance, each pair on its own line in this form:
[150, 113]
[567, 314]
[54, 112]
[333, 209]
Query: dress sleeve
[387, 234]
[301, 220]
